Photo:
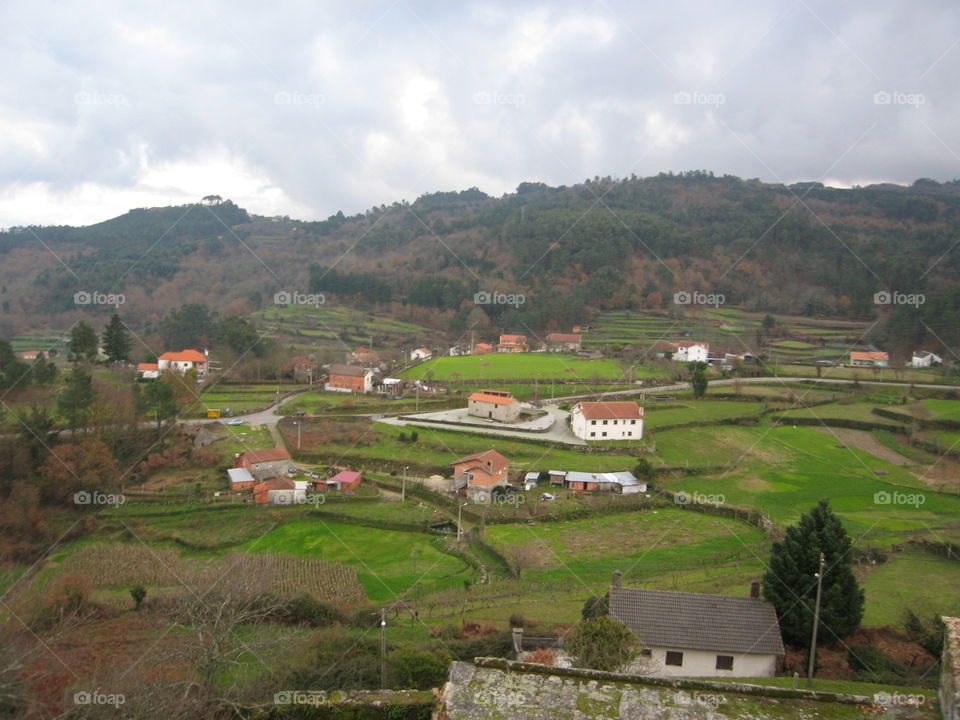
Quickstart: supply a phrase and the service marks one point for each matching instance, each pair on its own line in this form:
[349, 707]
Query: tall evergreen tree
[698, 381]
[75, 401]
[791, 584]
[83, 342]
[116, 340]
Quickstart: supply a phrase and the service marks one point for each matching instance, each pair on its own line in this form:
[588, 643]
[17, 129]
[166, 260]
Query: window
[633, 422]
[604, 422]
[593, 434]
[603, 434]
[593, 422]
[646, 652]
[724, 662]
[674, 657]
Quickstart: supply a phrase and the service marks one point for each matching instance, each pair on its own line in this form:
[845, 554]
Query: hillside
[603, 245]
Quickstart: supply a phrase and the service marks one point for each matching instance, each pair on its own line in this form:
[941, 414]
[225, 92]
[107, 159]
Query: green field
[704, 411]
[511, 366]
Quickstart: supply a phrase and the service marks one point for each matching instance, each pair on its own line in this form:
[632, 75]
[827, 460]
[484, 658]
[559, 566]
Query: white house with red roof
[183, 361]
[607, 421]
[496, 405]
[421, 354]
[148, 371]
[690, 351]
[564, 342]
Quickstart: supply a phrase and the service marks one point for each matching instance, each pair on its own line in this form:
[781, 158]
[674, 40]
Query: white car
[235, 422]
[547, 496]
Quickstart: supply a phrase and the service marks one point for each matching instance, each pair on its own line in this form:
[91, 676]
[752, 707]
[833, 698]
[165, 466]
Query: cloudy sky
[306, 108]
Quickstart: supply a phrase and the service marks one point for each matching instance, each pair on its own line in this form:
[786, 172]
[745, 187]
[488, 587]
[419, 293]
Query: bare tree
[519, 558]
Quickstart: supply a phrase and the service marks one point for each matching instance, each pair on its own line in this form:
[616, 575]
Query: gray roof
[351, 370]
[691, 621]
[622, 478]
[240, 475]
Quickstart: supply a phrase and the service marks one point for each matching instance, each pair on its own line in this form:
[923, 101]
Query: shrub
[138, 593]
[595, 606]
[420, 669]
[307, 610]
[873, 665]
[541, 656]
[602, 643]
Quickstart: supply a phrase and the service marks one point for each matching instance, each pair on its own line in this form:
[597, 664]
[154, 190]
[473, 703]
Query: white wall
[631, 429]
[694, 353]
[700, 663]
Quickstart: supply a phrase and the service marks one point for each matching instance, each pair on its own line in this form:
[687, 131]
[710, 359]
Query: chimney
[517, 641]
[754, 589]
[617, 579]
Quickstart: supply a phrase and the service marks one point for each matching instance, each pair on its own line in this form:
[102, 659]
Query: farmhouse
[148, 371]
[687, 351]
[622, 482]
[363, 356]
[421, 354]
[183, 361]
[494, 405]
[344, 481]
[924, 358]
[263, 464]
[303, 370]
[869, 359]
[694, 635]
[483, 348]
[280, 491]
[564, 342]
[512, 344]
[349, 378]
[240, 479]
[607, 421]
[479, 473]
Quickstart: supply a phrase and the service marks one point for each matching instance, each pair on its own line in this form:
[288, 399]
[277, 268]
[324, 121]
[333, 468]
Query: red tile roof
[184, 356]
[148, 366]
[345, 477]
[278, 483]
[495, 399]
[268, 455]
[868, 355]
[610, 410]
[564, 337]
[497, 461]
[504, 339]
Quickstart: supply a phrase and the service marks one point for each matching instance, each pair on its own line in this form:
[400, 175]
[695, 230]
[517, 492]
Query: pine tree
[698, 381]
[791, 585]
[83, 342]
[116, 340]
[75, 401]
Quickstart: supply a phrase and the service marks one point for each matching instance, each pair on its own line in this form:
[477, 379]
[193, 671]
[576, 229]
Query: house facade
[480, 473]
[564, 342]
[241, 479]
[869, 359]
[182, 361]
[599, 421]
[148, 371]
[695, 635]
[483, 348]
[512, 344]
[925, 359]
[496, 405]
[280, 491]
[349, 378]
[687, 351]
[421, 354]
[263, 464]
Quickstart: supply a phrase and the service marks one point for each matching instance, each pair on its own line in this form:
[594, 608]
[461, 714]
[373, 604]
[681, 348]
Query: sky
[307, 108]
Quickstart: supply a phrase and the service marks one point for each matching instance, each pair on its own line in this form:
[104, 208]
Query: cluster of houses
[265, 475]
[179, 362]
[511, 343]
[878, 359]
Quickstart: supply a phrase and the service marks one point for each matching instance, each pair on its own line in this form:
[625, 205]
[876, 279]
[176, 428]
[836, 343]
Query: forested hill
[605, 243]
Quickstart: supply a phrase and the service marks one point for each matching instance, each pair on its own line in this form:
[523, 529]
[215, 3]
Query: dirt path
[863, 440]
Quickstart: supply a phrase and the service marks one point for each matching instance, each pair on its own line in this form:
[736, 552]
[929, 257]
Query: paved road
[653, 390]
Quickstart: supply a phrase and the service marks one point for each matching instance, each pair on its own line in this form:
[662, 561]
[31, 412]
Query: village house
[182, 361]
[241, 479]
[690, 351]
[349, 378]
[564, 342]
[621, 482]
[363, 356]
[483, 348]
[512, 344]
[494, 405]
[869, 359]
[343, 481]
[280, 491]
[457, 351]
[148, 371]
[480, 473]
[924, 359]
[263, 464]
[303, 370]
[694, 635]
[607, 421]
[421, 354]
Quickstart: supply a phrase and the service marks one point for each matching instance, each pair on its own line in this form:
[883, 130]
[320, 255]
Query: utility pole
[383, 649]
[459, 514]
[403, 487]
[299, 426]
[816, 624]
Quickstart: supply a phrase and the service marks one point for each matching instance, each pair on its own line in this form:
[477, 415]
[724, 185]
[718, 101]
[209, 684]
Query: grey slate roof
[349, 370]
[691, 621]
